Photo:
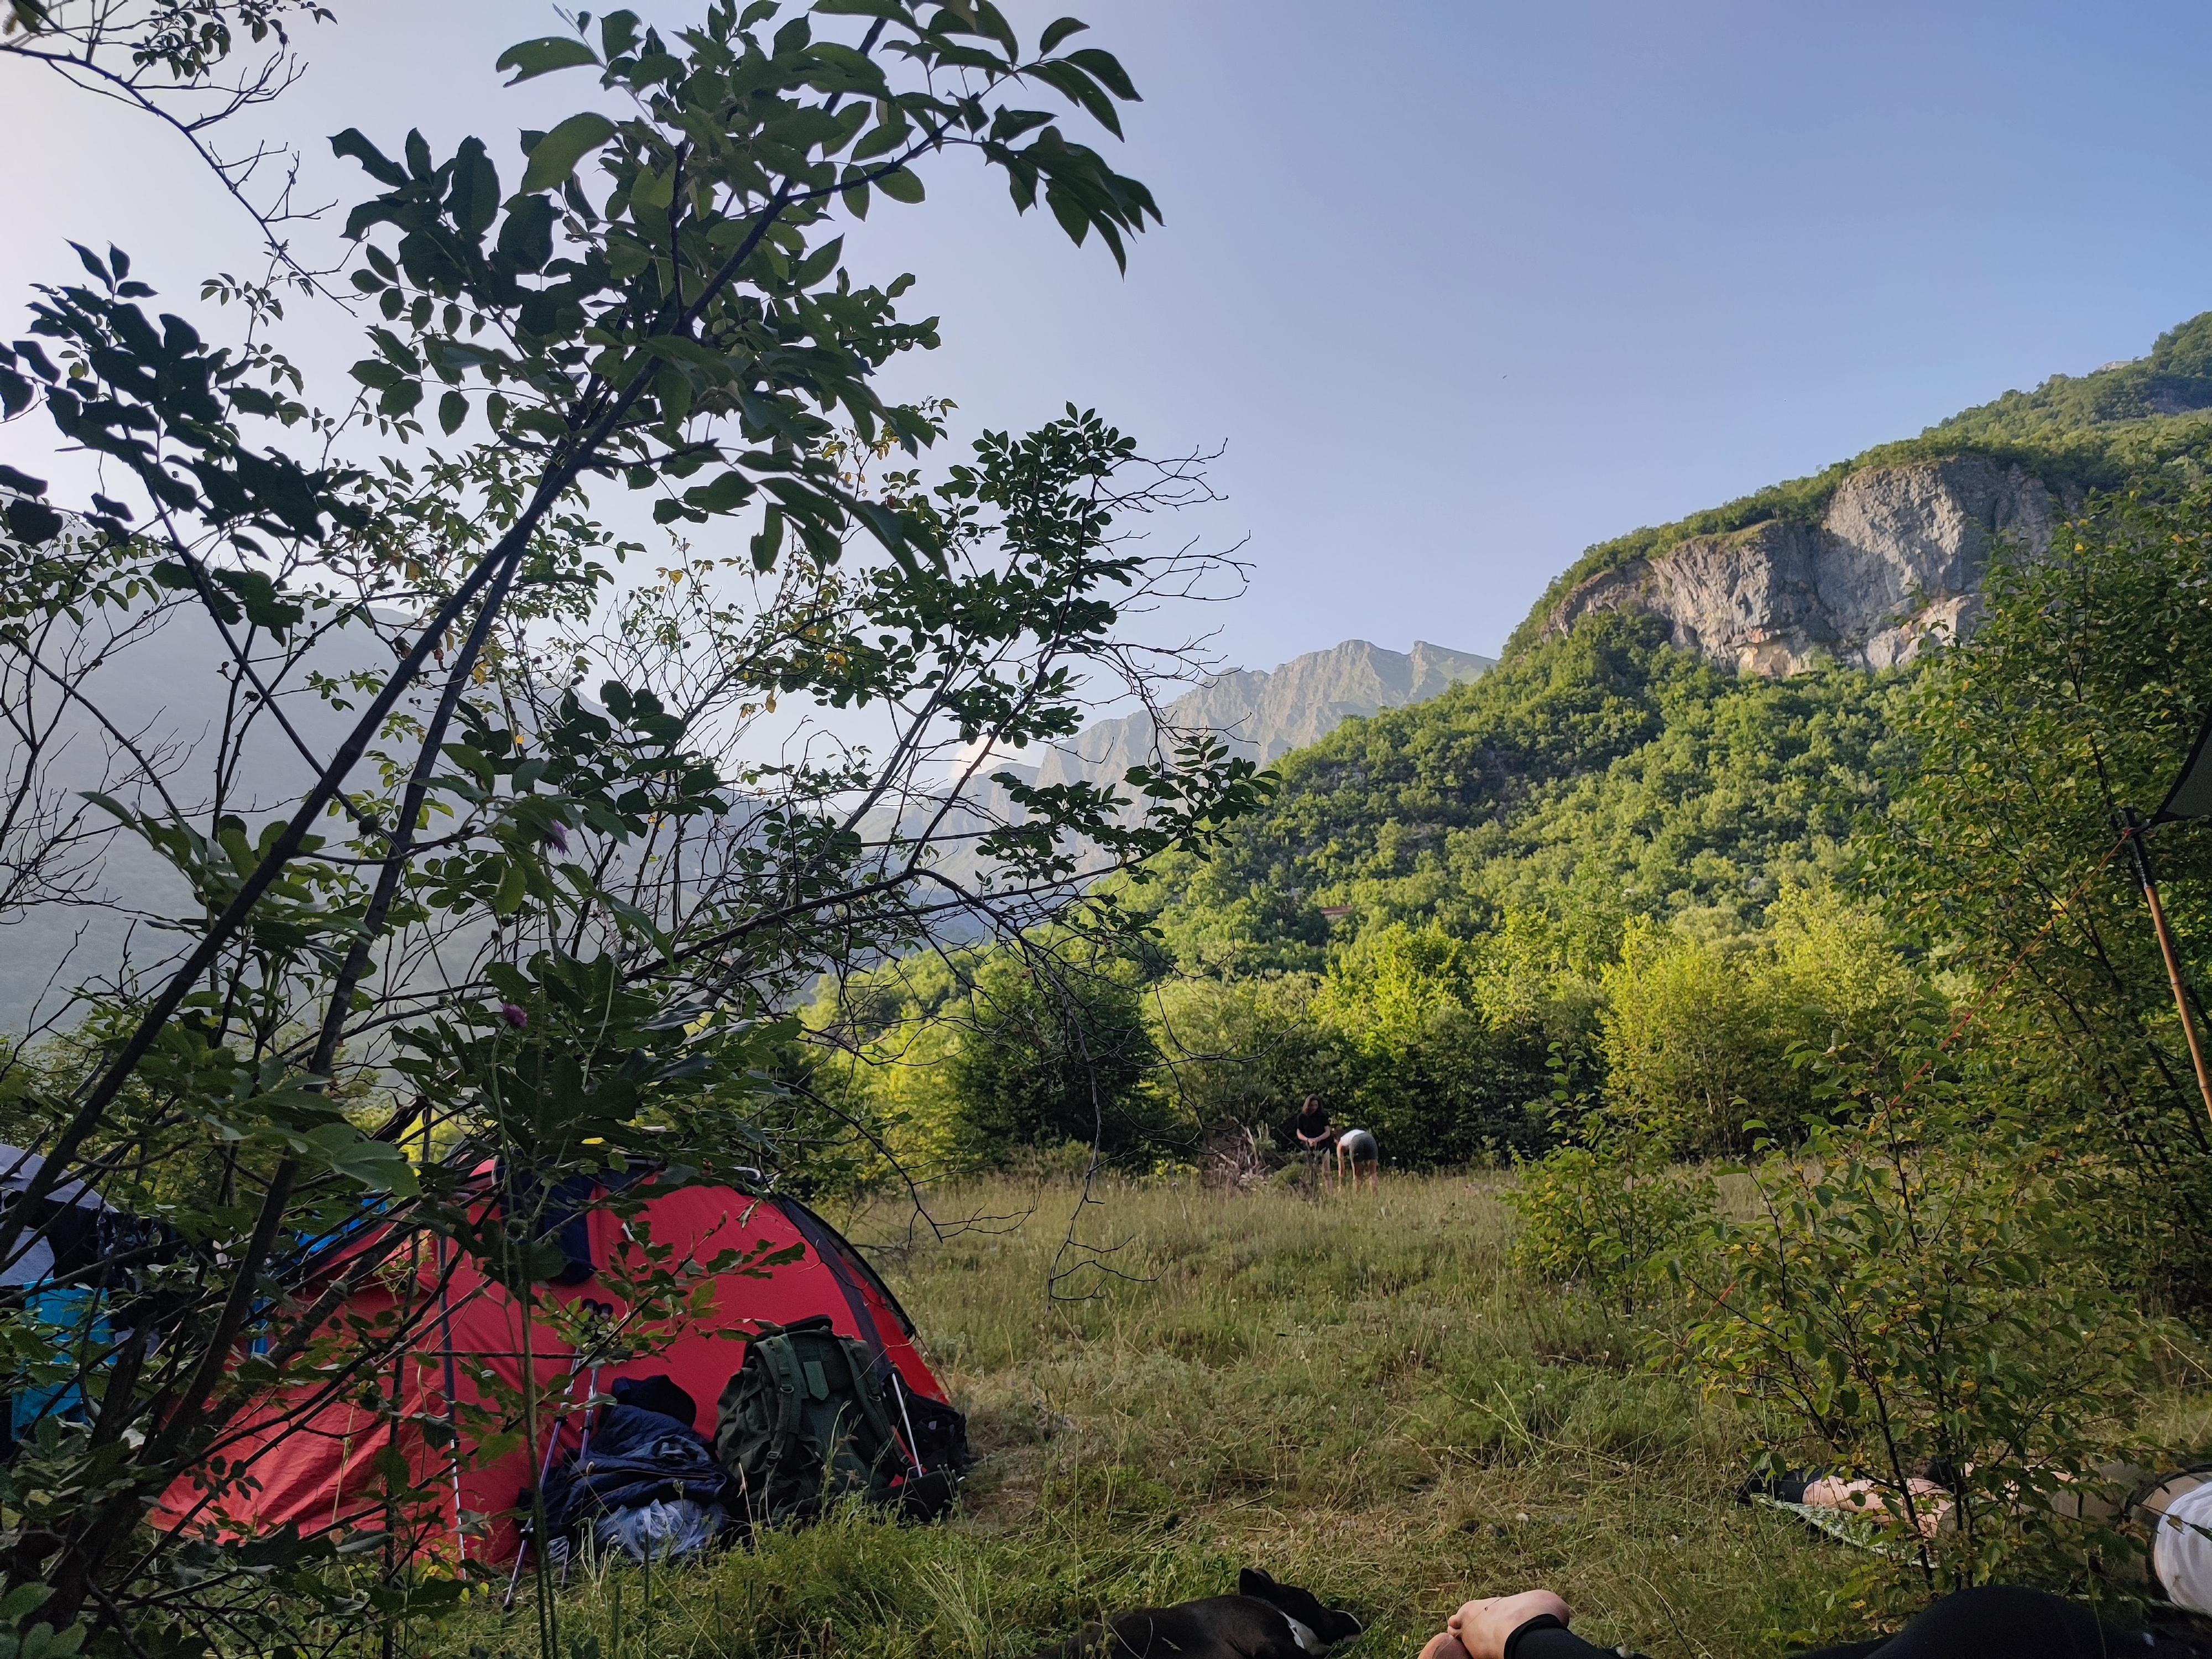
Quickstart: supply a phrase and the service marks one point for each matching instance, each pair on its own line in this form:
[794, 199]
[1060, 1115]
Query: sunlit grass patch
[1355, 1392]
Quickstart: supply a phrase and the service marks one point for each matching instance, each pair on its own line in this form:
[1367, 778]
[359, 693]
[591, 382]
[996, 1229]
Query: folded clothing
[635, 1457]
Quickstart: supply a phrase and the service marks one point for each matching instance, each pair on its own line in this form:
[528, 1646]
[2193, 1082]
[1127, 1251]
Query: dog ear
[1254, 1582]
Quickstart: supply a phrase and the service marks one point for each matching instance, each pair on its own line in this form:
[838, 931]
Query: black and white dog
[1263, 1621]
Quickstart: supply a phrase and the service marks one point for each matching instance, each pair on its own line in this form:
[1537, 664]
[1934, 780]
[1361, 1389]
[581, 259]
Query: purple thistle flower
[556, 837]
[513, 1015]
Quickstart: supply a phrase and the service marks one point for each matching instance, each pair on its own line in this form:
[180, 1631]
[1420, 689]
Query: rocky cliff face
[1896, 559]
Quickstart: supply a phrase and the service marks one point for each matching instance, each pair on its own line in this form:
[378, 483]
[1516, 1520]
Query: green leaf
[452, 409]
[527, 237]
[377, 375]
[31, 522]
[1107, 69]
[21, 1602]
[618, 34]
[1056, 32]
[856, 200]
[903, 185]
[266, 606]
[374, 161]
[769, 542]
[532, 58]
[514, 884]
[884, 139]
[473, 197]
[1074, 218]
[731, 490]
[375, 1164]
[557, 152]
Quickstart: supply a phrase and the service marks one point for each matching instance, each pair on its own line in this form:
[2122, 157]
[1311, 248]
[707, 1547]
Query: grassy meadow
[1355, 1391]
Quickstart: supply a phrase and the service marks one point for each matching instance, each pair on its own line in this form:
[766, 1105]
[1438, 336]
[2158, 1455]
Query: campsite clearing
[1357, 1393]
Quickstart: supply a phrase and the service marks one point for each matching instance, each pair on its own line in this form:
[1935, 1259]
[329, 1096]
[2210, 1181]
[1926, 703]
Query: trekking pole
[2133, 829]
[898, 1387]
[544, 1468]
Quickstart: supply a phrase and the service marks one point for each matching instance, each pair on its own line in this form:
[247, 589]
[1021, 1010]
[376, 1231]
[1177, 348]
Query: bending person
[1968, 1624]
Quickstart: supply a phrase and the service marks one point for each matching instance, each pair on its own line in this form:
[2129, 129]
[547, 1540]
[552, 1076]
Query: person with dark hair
[1968, 1624]
[1316, 1135]
[1313, 1128]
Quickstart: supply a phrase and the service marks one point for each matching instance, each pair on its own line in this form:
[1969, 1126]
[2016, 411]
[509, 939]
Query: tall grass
[1355, 1392]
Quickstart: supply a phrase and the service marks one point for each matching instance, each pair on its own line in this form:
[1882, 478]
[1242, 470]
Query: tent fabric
[2191, 794]
[319, 1468]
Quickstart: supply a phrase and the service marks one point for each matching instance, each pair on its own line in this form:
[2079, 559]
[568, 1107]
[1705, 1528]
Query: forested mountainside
[1598, 775]
[1719, 808]
[1692, 718]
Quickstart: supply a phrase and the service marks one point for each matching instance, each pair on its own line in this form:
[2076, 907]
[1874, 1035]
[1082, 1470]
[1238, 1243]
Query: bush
[1240, 1054]
[1607, 1214]
[1918, 1296]
[1427, 1067]
[1706, 1036]
[1055, 1048]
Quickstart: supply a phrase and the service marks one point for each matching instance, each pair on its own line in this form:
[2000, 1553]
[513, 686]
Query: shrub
[1918, 1296]
[1703, 1037]
[1240, 1054]
[1055, 1048]
[1606, 1212]
[1428, 1068]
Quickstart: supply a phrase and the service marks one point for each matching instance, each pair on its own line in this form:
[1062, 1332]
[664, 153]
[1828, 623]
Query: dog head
[1325, 1626]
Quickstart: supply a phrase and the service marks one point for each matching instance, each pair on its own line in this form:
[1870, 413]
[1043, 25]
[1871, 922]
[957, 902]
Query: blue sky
[1462, 288]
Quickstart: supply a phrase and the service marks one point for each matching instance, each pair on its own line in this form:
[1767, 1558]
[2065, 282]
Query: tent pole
[2134, 832]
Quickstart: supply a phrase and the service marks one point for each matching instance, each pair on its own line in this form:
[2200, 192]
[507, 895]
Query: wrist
[1539, 1621]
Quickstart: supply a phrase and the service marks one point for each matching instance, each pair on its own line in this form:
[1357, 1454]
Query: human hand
[1481, 1626]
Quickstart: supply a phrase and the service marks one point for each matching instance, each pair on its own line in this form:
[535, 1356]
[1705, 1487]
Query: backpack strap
[862, 1370]
[779, 1362]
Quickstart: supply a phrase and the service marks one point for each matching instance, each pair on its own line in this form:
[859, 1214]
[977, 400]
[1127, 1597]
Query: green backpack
[803, 1425]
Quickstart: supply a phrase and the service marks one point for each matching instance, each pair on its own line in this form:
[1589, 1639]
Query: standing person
[1316, 1134]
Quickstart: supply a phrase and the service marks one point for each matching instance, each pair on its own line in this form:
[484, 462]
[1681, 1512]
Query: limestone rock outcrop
[1896, 559]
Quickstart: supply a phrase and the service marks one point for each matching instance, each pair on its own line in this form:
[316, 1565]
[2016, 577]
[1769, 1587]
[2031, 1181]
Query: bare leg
[1931, 1503]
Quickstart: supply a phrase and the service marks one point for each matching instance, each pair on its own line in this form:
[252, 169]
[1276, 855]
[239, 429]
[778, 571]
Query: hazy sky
[1462, 288]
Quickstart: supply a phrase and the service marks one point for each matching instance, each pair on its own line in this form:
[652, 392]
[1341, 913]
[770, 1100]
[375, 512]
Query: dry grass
[1355, 1392]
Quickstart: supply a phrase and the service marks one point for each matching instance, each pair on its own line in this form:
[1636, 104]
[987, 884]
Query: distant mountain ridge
[1264, 713]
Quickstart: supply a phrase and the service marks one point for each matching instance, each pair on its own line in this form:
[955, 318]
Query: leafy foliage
[2078, 696]
[555, 871]
[1590, 779]
[1608, 1212]
[1922, 1296]
[1705, 1039]
[1058, 1052]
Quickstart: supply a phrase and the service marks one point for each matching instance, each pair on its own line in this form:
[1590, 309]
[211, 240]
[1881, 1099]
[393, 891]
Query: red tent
[318, 1458]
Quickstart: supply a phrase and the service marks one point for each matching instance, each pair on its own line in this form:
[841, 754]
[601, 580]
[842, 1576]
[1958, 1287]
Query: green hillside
[1607, 776]
[1611, 874]
[1600, 776]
